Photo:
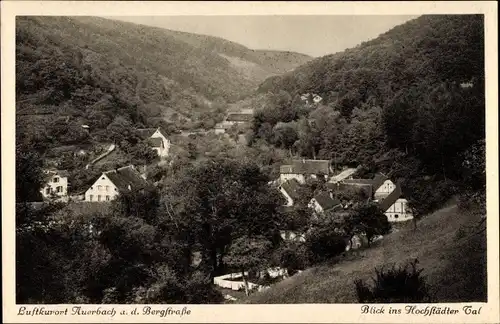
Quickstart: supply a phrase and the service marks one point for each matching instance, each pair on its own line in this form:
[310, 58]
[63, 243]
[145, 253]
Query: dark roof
[391, 199]
[239, 117]
[291, 187]
[376, 182]
[145, 132]
[325, 201]
[127, 176]
[338, 187]
[50, 173]
[162, 131]
[63, 173]
[286, 209]
[307, 167]
[363, 182]
[155, 142]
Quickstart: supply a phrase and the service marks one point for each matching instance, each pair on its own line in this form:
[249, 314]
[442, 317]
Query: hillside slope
[409, 103]
[446, 248]
[430, 48]
[93, 70]
[267, 62]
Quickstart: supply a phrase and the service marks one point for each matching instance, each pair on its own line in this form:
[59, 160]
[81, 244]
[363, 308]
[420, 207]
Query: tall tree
[248, 253]
[220, 200]
[367, 219]
[29, 174]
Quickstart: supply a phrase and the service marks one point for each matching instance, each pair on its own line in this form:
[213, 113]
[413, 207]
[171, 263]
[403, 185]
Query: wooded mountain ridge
[95, 70]
[409, 103]
[431, 48]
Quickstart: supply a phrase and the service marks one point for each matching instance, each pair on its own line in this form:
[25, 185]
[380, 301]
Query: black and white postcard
[250, 162]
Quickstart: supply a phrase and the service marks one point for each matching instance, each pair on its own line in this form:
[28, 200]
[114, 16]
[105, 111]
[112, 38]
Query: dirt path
[111, 148]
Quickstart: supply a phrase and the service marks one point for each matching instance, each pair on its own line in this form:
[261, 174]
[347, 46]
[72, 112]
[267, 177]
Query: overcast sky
[313, 35]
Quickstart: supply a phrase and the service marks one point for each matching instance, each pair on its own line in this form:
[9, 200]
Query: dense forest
[73, 71]
[409, 103]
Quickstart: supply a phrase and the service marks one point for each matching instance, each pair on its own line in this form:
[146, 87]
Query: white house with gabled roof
[157, 140]
[56, 185]
[112, 183]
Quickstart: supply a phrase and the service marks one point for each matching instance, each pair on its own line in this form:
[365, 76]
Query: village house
[223, 127]
[396, 207]
[290, 190]
[342, 190]
[317, 99]
[468, 84]
[157, 139]
[56, 185]
[387, 194]
[355, 242]
[311, 98]
[303, 169]
[242, 117]
[239, 118]
[80, 152]
[292, 236]
[323, 202]
[381, 185]
[112, 183]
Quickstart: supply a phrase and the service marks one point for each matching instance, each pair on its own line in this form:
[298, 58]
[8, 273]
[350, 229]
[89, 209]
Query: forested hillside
[409, 103]
[268, 61]
[96, 71]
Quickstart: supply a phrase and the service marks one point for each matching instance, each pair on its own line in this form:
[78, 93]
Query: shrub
[395, 285]
[368, 219]
[199, 290]
[323, 244]
[291, 257]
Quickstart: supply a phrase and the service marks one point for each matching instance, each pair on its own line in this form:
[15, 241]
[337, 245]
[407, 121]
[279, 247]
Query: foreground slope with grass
[448, 244]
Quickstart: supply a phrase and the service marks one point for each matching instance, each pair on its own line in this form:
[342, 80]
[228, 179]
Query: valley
[161, 161]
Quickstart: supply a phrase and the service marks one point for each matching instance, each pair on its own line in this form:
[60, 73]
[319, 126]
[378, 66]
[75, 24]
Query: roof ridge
[128, 166]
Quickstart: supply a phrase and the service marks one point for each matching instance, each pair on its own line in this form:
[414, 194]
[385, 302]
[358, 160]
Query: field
[452, 255]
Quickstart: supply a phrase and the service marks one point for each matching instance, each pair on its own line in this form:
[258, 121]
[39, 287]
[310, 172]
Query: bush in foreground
[395, 285]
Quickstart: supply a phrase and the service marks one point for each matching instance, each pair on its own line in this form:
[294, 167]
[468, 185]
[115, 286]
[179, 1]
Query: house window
[102, 178]
[396, 216]
[59, 189]
[99, 188]
[107, 198]
[107, 188]
[99, 198]
[91, 197]
[56, 179]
